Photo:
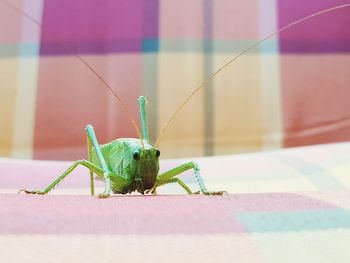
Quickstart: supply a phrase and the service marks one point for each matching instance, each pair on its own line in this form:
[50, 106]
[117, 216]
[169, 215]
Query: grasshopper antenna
[206, 81]
[105, 84]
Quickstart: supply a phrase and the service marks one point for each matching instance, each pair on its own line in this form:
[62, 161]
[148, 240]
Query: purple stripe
[314, 46]
[150, 19]
[87, 26]
[26, 214]
[92, 47]
[329, 32]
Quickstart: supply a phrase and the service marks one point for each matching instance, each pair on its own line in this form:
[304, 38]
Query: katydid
[127, 165]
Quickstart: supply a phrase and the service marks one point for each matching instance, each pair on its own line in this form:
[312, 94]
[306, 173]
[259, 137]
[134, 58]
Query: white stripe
[127, 248]
[307, 246]
[270, 77]
[24, 122]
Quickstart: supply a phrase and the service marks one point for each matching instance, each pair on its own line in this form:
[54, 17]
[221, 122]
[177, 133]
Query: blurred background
[292, 90]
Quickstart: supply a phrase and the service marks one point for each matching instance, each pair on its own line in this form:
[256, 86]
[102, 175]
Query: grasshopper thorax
[146, 162]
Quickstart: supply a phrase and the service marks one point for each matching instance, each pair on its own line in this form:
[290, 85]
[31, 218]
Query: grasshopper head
[147, 163]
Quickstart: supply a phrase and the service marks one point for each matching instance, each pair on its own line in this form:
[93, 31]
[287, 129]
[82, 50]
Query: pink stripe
[25, 214]
[315, 99]
[70, 97]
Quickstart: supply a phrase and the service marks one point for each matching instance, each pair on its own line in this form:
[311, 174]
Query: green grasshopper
[127, 165]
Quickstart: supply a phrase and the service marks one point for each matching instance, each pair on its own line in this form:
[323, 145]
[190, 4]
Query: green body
[139, 175]
[127, 165]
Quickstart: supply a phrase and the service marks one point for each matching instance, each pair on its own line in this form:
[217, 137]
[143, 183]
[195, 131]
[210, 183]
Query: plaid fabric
[306, 219]
[290, 91]
[313, 168]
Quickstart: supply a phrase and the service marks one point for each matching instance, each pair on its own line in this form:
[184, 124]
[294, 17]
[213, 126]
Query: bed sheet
[290, 205]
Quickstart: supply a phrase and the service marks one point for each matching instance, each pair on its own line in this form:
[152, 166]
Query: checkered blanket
[290, 205]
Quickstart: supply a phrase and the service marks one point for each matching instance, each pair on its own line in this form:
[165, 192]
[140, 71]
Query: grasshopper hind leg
[92, 167]
[102, 172]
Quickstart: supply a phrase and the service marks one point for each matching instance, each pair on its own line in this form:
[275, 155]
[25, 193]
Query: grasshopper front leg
[170, 177]
[106, 173]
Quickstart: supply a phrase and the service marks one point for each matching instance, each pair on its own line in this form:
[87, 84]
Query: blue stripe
[317, 175]
[295, 220]
[16, 50]
[150, 45]
[207, 46]
[208, 70]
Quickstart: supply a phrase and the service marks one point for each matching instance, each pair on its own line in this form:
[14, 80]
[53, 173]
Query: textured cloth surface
[243, 228]
[290, 91]
[291, 205]
[312, 168]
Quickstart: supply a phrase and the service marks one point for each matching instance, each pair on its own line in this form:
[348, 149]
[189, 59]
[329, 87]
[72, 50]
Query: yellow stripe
[8, 82]
[24, 116]
[179, 74]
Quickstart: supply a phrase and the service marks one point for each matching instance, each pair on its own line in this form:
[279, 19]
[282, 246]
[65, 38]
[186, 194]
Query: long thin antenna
[205, 82]
[105, 84]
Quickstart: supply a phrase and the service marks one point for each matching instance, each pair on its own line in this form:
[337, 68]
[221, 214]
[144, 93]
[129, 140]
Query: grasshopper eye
[136, 155]
[157, 153]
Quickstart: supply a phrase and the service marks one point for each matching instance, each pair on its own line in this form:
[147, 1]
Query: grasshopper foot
[104, 195]
[149, 191]
[212, 193]
[35, 192]
[216, 193]
[152, 191]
